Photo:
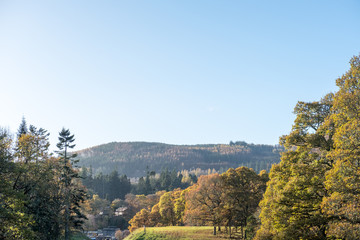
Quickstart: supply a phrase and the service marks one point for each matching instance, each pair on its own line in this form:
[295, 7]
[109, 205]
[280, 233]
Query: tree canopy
[32, 183]
[313, 193]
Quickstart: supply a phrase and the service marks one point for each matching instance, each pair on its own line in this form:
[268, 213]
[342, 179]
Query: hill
[133, 158]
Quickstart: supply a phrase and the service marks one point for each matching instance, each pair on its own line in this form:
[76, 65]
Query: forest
[40, 193]
[133, 158]
[312, 193]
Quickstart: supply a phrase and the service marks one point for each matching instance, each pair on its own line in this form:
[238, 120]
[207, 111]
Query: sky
[177, 72]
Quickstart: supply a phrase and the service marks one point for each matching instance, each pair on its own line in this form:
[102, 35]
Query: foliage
[172, 207]
[70, 185]
[231, 199]
[31, 187]
[139, 220]
[243, 190]
[114, 186]
[137, 202]
[110, 187]
[291, 207]
[341, 205]
[14, 222]
[205, 201]
[313, 193]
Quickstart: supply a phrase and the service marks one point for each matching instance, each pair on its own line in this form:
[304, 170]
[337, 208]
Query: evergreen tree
[22, 128]
[148, 188]
[141, 187]
[42, 143]
[71, 190]
[113, 186]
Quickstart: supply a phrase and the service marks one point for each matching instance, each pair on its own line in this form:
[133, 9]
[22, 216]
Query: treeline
[114, 186]
[167, 180]
[132, 158]
[40, 193]
[314, 192]
[110, 187]
[229, 200]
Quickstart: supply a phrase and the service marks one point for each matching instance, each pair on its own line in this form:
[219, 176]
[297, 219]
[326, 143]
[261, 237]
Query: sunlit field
[176, 233]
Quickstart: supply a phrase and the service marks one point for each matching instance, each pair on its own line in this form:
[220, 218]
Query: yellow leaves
[347, 210]
[26, 148]
[139, 220]
[316, 184]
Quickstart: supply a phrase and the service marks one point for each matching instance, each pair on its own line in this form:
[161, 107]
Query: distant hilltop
[135, 158]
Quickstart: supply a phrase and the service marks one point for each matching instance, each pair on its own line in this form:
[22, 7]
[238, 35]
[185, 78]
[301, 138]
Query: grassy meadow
[176, 233]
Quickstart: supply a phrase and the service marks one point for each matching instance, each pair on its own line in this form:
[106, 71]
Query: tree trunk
[242, 232]
[214, 230]
[67, 204]
[67, 237]
[229, 231]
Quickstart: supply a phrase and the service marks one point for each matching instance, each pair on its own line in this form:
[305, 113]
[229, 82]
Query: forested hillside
[133, 158]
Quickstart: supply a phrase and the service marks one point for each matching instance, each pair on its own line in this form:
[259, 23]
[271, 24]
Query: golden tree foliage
[313, 193]
[139, 220]
[343, 180]
[204, 201]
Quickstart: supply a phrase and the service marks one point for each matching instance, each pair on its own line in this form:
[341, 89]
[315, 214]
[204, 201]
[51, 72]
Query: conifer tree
[70, 187]
[22, 128]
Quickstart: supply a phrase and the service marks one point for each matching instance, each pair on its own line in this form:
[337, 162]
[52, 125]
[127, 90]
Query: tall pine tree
[71, 189]
[22, 128]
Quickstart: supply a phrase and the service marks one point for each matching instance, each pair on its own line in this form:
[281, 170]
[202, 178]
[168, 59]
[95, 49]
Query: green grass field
[79, 236]
[175, 233]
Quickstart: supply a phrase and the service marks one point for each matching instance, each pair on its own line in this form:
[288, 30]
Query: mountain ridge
[135, 158]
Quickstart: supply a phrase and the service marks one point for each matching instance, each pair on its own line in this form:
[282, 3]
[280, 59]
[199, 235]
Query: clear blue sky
[180, 72]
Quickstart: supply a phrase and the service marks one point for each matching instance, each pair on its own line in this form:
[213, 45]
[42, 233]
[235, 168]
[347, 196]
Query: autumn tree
[342, 204]
[243, 190]
[15, 223]
[166, 209]
[155, 216]
[205, 201]
[36, 180]
[291, 204]
[140, 219]
[313, 192]
[171, 207]
[137, 202]
[179, 205]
